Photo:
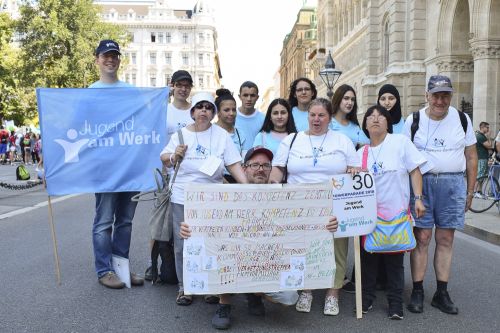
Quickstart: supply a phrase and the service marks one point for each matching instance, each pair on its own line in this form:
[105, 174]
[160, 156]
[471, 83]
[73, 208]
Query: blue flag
[101, 140]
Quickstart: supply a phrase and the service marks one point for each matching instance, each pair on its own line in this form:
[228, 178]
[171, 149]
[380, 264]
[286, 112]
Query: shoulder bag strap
[239, 140]
[284, 179]
[364, 161]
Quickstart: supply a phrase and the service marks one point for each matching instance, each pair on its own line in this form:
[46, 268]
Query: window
[385, 46]
[200, 82]
[185, 59]
[133, 58]
[201, 37]
[185, 37]
[152, 58]
[153, 37]
[168, 37]
[134, 78]
[167, 79]
[152, 80]
[160, 37]
[168, 58]
[200, 59]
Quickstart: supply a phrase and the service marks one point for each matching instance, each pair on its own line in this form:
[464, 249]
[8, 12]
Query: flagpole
[54, 242]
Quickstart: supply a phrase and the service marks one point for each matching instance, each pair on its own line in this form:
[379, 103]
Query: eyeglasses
[304, 89]
[257, 166]
[207, 106]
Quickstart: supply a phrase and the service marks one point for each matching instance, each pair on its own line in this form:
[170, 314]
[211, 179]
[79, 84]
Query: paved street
[31, 301]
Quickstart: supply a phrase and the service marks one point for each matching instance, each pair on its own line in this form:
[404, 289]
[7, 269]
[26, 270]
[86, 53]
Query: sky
[250, 37]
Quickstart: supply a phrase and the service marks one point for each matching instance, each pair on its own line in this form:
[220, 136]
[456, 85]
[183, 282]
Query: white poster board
[257, 238]
[354, 204]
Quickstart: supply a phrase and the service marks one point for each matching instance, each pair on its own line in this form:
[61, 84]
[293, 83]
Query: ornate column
[486, 54]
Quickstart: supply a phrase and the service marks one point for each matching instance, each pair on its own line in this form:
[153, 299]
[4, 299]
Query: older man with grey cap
[446, 137]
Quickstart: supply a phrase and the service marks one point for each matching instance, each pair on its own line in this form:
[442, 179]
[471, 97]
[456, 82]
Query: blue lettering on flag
[101, 140]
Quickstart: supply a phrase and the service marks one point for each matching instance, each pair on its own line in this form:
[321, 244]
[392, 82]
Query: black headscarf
[396, 109]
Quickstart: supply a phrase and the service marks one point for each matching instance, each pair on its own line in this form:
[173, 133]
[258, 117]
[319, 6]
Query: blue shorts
[444, 200]
[3, 148]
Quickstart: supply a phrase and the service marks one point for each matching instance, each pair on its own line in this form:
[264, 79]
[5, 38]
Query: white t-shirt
[391, 162]
[215, 141]
[441, 142]
[177, 119]
[333, 155]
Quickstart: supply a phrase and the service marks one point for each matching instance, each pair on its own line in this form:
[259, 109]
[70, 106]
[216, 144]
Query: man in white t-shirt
[249, 120]
[447, 140]
[178, 112]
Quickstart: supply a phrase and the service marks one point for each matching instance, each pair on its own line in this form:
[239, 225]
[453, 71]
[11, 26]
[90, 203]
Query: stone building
[405, 42]
[165, 39]
[297, 46]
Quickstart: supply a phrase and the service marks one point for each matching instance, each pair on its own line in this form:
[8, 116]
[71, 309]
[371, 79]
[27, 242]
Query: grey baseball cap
[439, 83]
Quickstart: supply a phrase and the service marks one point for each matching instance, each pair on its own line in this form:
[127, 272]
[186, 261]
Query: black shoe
[255, 305]
[148, 275]
[416, 301]
[366, 307]
[349, 287]
[221, 319]
[442, 301]
[396, 311]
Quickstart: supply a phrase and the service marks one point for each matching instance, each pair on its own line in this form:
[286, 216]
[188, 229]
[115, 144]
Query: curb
[482, 234]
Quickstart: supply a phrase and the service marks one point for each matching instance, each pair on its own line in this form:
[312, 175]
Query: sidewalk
[485, 226]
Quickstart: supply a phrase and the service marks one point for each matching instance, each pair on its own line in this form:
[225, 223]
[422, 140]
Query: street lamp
[329, 75]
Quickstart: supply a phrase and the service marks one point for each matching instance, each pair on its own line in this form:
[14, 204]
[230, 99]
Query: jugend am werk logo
[100, 135]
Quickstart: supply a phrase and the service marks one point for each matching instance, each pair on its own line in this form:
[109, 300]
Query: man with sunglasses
[114, 211]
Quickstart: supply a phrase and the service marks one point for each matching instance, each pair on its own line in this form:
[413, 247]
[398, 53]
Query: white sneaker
[331, 306]
[304, 302]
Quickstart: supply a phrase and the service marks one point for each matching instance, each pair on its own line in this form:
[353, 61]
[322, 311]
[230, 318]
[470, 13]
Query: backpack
[22, 173]
[416, 120]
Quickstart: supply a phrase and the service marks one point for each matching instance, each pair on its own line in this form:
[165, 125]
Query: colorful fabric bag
[391, 235]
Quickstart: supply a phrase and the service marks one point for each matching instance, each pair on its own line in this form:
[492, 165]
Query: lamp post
[329, 75]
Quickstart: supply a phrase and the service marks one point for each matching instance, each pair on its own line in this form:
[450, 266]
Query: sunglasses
[206, 105]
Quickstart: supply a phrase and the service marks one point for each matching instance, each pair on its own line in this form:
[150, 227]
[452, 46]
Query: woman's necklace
[375, 165]
[199, 148]
[316, 151]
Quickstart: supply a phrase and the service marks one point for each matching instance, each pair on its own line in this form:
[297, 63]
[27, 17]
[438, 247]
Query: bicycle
[489, 192]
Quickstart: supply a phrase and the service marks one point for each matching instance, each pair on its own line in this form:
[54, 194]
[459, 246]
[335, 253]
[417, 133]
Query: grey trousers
[177, 218]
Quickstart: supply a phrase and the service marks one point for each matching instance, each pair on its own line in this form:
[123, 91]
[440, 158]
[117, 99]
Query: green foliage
[55, 49]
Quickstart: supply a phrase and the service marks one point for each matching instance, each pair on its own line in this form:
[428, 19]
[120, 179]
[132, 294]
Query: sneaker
[221, 319]
[136, 280]
[148, 275]
[111, 280]
[255, 305]
[442, 301]
[304, 302]
[367, 306]
[349, 287]
[395, 311]
[331, 306]
[416, 301]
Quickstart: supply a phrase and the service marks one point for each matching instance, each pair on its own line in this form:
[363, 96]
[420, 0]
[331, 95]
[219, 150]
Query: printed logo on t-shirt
[201, 151]
[377, 167]
[181, 125]
[438, 142]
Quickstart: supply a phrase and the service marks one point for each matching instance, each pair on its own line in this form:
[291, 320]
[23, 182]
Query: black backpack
[416, 121]
[164, 250]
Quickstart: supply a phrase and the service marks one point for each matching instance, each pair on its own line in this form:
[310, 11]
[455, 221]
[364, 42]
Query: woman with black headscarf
[388, 97]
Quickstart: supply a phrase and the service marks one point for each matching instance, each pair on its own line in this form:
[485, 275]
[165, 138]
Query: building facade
[164, 39]
[297, 46]
[405, 42]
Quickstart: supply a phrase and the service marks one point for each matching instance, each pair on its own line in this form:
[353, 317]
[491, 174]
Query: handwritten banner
[354, 204]
[257, 238]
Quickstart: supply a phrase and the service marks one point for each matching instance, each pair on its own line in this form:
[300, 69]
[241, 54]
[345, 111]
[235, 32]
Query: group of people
[426, 163]
[16, 147]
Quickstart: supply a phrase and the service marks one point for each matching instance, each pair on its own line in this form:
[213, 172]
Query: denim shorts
[444, 200]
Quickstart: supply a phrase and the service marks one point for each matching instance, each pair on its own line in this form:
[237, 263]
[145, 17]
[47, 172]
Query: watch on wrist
[418, 197]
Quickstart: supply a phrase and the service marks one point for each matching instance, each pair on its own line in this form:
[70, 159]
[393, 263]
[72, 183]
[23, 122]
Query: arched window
[385, 45]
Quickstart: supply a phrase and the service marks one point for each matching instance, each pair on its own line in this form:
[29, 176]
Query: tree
[58, 41]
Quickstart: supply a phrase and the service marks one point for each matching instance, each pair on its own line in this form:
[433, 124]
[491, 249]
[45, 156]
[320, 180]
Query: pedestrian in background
[249, 119]
[388, 97]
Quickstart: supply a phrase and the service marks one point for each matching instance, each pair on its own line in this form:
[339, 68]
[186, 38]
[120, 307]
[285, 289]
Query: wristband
[470, 194]
[171, 159]
[418, 197]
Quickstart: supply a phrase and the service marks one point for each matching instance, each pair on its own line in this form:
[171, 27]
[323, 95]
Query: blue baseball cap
[439, 83]
[107, 45]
